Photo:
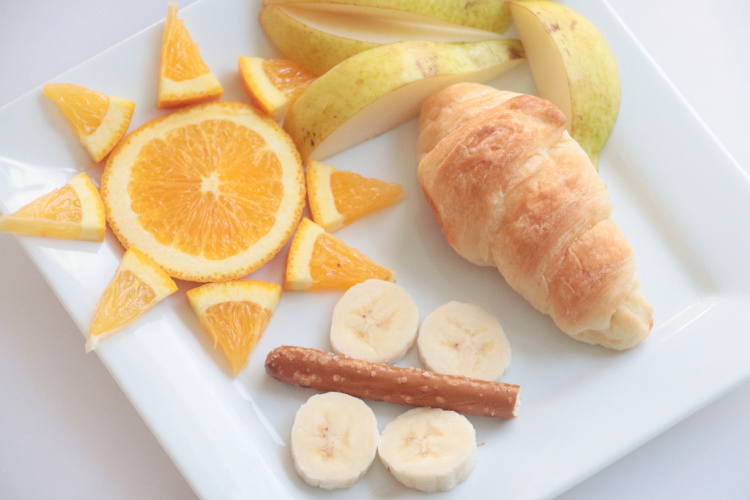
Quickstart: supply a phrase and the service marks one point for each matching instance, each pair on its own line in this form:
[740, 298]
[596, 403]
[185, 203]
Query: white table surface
[67, 430]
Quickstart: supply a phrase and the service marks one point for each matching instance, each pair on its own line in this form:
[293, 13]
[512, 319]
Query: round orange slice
[74, 211]
[339, 197]
[184, 78]
[318, 260]
[99, 121]
[138, 284]
[235, 314]
[273, 84]
[210, 192]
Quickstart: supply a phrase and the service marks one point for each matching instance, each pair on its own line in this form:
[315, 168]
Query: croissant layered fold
[510, 188]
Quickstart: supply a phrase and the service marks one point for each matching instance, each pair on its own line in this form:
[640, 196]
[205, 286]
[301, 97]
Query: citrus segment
[210, 192]
[74, 211]
[235, 314]
[339, 197]
[318, 261]
[184, 78]
[138, 284]
[273, 84]
[99, 121]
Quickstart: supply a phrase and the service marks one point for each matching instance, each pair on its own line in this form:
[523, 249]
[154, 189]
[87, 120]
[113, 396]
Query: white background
[68, 431]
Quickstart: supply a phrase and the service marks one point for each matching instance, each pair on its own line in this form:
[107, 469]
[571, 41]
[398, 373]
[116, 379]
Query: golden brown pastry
[510, 188]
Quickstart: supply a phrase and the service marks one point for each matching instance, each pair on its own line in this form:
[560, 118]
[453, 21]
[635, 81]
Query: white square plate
[676, 195]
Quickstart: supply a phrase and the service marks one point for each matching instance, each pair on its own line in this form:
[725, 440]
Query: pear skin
[573, 68]
[380, 88]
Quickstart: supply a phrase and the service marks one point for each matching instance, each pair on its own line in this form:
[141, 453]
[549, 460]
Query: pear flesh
[572, 67]
[320, 35]
[378, 89]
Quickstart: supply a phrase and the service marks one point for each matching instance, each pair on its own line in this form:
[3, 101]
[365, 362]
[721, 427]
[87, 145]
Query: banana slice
[463, 339]
[429, 449]
[375, 321]
[334, 440]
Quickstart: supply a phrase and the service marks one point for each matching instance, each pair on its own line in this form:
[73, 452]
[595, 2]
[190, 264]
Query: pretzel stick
[326, 371]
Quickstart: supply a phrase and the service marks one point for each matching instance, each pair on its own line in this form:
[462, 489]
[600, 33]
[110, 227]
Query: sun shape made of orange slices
[273, 84]
[184, 78]
[138, 285]
[318, 260]
[235, 314]
[99, 121]
[74, 211]
[210, 192]
[339, 197]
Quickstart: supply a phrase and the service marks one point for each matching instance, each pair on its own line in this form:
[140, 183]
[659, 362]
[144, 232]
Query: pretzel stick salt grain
[326, 371]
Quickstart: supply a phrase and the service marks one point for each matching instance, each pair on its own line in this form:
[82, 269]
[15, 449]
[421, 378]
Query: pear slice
[485, 15]
[320, 35]
[572, 67]
[380, 88]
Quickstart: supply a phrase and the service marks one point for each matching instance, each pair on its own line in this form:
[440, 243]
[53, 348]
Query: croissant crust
[510, 188]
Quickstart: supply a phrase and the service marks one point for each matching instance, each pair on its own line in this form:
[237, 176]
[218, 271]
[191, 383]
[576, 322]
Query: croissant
[510, 188]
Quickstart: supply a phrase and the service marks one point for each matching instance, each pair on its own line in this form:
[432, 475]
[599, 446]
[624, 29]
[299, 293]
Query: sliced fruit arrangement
[138, 284]
[99, 121]
[339, 197]
[463, 339]
[320, 34]
[334, 440]
[374, 320]
[573, 68]
[74, 211]
[319, 261]
[429, 449]
[273, 84]
[235, 314]
[211, 191]
[380, 88]
[184, 78]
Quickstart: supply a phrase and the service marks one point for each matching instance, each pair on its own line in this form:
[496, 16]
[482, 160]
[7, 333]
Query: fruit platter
[157, 285]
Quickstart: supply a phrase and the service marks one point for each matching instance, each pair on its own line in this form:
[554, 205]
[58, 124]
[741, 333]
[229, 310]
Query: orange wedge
[235, 314]
[210, 192]
[183, 76]
[273, 84]
[319, 261]
[74, 211]
[138, 284]
[339, 197]
[99, 121]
